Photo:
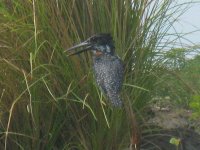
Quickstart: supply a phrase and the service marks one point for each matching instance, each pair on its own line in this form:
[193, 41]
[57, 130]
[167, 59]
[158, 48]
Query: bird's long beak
[85, 43]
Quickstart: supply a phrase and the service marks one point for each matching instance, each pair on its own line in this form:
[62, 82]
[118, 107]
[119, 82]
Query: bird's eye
[94, 40]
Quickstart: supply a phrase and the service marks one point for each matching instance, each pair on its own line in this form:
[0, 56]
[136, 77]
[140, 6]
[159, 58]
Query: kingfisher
[108, 67]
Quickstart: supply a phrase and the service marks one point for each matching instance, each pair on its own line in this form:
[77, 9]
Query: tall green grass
[49, 100]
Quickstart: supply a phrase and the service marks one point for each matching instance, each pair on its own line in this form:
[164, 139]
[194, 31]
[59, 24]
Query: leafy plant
[195, 106]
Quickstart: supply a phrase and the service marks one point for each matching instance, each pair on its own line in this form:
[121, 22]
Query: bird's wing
[114, 75]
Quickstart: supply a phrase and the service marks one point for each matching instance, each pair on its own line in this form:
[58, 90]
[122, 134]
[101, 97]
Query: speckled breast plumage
[109, 72]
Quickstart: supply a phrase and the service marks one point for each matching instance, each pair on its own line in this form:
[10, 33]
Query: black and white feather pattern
[109, 72]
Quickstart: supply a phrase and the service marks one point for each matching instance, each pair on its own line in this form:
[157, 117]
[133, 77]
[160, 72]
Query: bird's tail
[115, 100]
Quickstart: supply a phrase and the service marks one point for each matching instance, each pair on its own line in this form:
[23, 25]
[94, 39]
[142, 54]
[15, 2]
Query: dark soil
[169, 122]
[160, 140]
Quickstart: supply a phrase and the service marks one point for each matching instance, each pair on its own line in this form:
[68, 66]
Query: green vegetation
[50, 101]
